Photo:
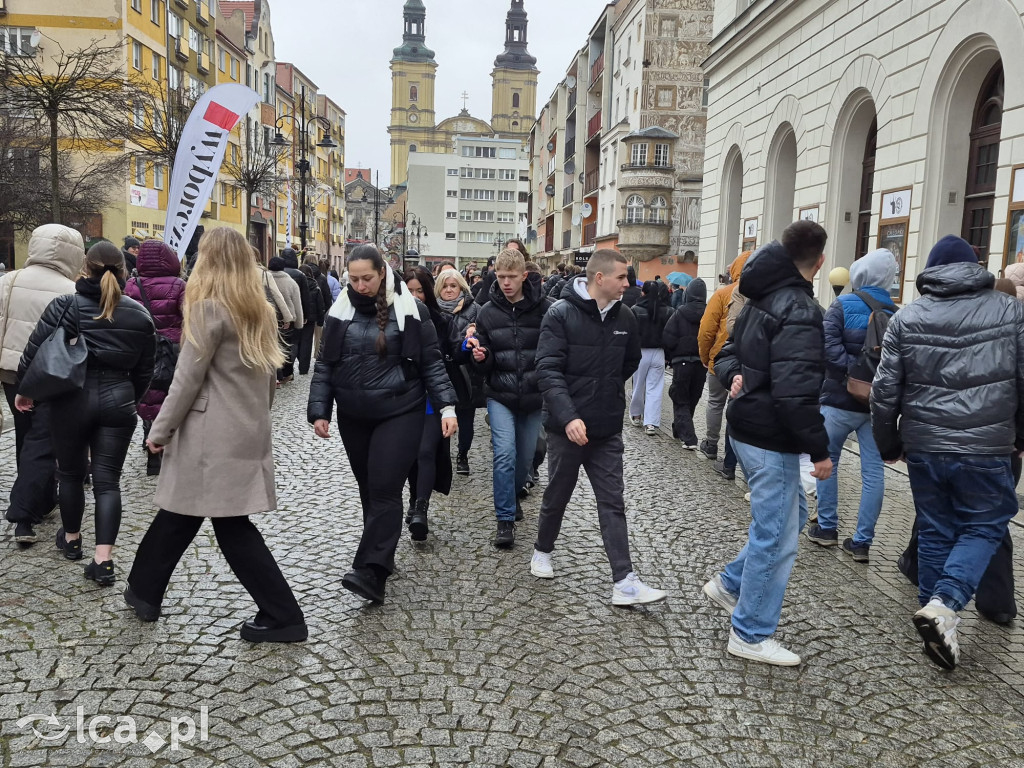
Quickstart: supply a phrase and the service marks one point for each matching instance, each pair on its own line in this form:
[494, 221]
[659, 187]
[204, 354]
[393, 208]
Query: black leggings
[465, 418]
[98, 420]
[424, 470]
[381, 454]
[170, 534]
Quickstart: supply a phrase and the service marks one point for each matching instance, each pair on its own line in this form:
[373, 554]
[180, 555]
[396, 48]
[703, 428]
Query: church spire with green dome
[413, 47]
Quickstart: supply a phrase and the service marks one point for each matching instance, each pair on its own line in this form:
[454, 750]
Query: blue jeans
[839, 424]
[760, 572]
[514, 441]
[964, 503]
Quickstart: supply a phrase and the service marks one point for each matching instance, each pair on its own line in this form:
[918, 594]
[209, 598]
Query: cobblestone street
[472, 661]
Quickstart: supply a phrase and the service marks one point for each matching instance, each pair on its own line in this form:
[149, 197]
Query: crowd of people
[402, 363]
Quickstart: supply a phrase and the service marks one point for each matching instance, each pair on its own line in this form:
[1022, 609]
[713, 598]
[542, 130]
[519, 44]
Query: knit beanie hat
[276, 264]
[951, 250]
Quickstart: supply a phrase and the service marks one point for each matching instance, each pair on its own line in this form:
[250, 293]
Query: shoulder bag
[60, 363]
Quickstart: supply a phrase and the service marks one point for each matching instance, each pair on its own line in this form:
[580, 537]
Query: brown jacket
[216, 424]
[713, 334]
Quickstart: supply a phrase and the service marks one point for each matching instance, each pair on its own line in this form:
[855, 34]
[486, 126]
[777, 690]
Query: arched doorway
[851, 181]
[730, 228]
[980, 190]
[780, 187]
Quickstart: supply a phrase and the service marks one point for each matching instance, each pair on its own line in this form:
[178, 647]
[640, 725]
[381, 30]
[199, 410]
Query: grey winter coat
[951, 378]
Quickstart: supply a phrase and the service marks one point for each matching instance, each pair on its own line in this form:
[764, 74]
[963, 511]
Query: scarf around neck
[402, 300]
[455, 305]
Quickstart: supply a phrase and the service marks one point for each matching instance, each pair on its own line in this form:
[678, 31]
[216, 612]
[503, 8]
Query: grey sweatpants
[718, 396]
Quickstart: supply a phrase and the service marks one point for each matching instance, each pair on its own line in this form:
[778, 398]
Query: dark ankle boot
[418, 522]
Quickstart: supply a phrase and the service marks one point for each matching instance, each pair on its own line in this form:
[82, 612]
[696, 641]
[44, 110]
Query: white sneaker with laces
[636, 421]
[719, 595]
[768, 651]
[937, 626]
[650, 429]
[632, 591]
[540, 565]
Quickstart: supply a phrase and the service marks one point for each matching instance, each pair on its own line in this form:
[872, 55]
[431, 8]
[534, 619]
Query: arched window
[414, 93]
[515, 101]
[659, 210]
[634, 210]
[412, 147]
[986, 127]
[867, 182]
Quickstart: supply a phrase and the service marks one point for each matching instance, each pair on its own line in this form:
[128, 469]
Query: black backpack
[862, 372]
[166, 351]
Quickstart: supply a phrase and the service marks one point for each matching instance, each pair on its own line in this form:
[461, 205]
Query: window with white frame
[453, 171]
[634, 209]
[234, 197]
[137, 55]
[158, 176]
[508, 174]
[17, 41]
[154, 12]
[140, 172]
[465, 215]
[223, 197]
[174, 78]
[472, 151]
[506, 196]
[155, 58]
[137, 6]
[452, 193]
[507, 154]
[195, 40]
[234, 71]
[222, 59]
[138, 114]
[175, 26]
[659, 210]
[506, 217]
[483, 216]
[158, 121]
[449, 235]
[451, 214]
[638, 154]
[662, 155]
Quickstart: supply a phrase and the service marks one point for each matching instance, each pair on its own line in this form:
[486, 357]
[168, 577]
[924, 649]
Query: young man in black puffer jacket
[589, 346]
[683, 354]
[773, 367]
[504, 349]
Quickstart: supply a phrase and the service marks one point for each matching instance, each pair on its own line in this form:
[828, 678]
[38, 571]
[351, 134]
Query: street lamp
[418, 229]
[302, 126]
[376, 209]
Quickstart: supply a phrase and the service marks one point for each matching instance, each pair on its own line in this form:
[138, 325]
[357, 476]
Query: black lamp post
[419, 229]
[376, 209]
[302, 126]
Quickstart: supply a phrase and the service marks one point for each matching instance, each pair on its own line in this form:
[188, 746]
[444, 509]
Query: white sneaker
[746, 496]
[540, 565]
[937, 626]
[632, 591]
[636, 421]
[650, 429]
[768, 651]
[719, 595]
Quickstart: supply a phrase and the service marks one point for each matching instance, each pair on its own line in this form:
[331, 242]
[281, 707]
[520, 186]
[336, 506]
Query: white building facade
[891, 124]
[464, 206]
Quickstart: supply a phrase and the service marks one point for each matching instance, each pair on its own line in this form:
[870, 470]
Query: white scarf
[402, 300]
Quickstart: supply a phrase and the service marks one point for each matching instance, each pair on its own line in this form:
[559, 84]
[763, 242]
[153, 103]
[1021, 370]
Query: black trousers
[381, 454]
[98, 421]
[688, 379]
[424, 470]
[466, 416]
[34, 492]
[305, 346]
[170, 534]
[290, 350]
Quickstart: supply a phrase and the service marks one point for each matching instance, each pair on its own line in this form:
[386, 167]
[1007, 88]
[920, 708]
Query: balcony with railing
[181, 48]
[202, 63]
[568, 194]
[596, 70]
[570, 148]
[201, 14]
[572, 102]
[594, 125]
[591, 180]
[646, 176]
[589, 233]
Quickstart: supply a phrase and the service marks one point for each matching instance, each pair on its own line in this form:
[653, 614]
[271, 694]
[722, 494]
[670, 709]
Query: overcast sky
[345, 47]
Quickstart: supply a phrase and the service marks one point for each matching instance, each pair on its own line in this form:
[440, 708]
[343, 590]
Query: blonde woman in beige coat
[214, 430]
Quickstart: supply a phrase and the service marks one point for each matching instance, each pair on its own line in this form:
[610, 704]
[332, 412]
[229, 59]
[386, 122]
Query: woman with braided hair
[379, 360]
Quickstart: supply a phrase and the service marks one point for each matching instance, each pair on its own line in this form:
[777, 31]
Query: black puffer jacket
[291, 267]
[951, 379]
[509, 332]
[778, 346]
[482, 296]
[325, 289]
[680, 336]
[584, 361]
[466, 379]
[367, 386]
[652, 315]
[126, 342]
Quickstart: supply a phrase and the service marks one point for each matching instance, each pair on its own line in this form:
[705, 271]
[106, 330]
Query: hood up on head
[57, 247]
[157, 259]
[696, 291]
[291, 260]
[736, 268]
[874, 270]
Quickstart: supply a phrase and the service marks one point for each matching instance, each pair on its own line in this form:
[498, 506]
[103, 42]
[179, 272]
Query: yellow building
[332, 242]
[414, 127]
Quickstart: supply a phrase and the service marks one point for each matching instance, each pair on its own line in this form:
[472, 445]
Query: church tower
[413, 72]
[514, 92]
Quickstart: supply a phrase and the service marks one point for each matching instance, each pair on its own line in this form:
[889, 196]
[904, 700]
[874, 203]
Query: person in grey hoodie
[55, 257]
[948, 396]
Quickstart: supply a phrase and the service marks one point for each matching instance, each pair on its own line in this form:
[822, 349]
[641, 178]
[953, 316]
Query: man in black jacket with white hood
[589, 345]
[773, 366]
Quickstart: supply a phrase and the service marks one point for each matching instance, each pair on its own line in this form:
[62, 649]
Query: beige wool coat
[215, 424]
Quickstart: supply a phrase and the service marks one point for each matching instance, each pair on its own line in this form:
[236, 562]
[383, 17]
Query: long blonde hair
[226, 273]
[105, 261]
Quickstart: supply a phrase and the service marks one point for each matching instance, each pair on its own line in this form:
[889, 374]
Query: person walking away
[846, 328]
[55, 257]
[96, 423]
[302, 338]
[432, 470]
[378, 361]
[652, 314]
[157, 275]
[456, 301]
[633, 292]
[583, 383]
[683, 353]
[308, 342]
[326, 299]
[505, 350]
[333, 284]
[214, 430]
[948, 397]
[774, 365]
[710, 339]
[292, 293]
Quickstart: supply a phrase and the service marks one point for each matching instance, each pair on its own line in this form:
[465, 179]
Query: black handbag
[60, 363]
[166, 359]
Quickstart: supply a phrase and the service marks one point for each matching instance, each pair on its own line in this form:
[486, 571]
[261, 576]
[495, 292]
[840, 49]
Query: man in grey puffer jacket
[948, 397]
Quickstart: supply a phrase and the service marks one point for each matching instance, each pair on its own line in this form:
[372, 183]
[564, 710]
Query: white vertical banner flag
[204, 140]
[288, 229]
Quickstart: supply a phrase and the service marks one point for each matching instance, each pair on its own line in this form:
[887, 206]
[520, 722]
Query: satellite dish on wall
[586, 210]
[570, 82]
[34, 38]
[549, 190]
[576, 219]
[551, 146]
[570, 167]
